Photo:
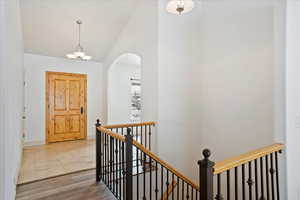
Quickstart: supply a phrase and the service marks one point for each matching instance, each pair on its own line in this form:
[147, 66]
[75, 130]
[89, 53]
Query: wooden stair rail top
[150, 154]
[129, 125]
[166, 165]
[111, 133]
[245, 158]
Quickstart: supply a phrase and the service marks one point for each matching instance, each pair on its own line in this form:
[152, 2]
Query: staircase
[126, 165]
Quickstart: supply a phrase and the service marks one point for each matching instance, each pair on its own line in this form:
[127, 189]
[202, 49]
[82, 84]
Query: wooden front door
[65, 106]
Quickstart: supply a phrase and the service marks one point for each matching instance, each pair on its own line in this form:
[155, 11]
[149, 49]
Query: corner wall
[11, 96]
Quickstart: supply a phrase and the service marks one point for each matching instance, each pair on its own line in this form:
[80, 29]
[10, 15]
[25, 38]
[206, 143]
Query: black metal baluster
[173, 185]
[105, 159]
[272, 171]
[167, 182]
[113, 164]
[192, 193]
[256, 180]
[156, 181]
[150, 164]
[108, 162]
[116, 167]
[178, 184]
[187, 192]
[182, 189]
[120, 170]
[262, 179]
[267, 177]
[116, 164]
[122, 165]
[236, 187]
[228, 184]
[162, 182]
[250, 181]
[243, 182]
[123, 170]
[277, 175]
[150, 133]
[138, 173]
[144, 178]
[98, 153]
[219, 189]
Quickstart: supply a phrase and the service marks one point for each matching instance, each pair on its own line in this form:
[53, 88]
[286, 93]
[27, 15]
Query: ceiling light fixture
[180, 6]
[79, 53]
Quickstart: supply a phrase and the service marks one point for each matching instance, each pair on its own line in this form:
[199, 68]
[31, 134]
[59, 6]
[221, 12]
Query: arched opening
[124, 90]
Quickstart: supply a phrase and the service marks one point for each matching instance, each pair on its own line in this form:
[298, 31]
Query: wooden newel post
[129, 161]
[98, 152]
[206, 169]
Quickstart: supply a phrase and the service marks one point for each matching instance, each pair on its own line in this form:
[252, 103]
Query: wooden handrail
[129, 125]
[245, 158]
[166, 165]
[170, 189]
[111, 133]
[150, 154]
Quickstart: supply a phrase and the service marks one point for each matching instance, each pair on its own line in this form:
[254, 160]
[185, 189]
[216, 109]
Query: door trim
[47, 89]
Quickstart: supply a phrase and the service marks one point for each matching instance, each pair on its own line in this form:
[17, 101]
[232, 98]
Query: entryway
[67, 147]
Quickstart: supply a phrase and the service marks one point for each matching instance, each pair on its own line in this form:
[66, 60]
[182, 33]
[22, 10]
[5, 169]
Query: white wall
[35, 68]
[119, 91]
[11, 96]
[293, 99]
[216, 81]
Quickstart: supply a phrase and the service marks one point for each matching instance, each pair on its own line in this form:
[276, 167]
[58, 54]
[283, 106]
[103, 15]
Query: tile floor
[55, 159]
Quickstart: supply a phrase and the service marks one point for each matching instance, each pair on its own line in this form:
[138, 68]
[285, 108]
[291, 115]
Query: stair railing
[253, 175]
[146, 176]
[131, 171]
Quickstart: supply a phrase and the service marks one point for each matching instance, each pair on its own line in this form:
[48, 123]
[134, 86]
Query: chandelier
[79, 52]
[180, 6]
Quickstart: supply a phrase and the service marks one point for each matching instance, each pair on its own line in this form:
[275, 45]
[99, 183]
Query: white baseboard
[91, 137]
[37, 143]
[33, 143]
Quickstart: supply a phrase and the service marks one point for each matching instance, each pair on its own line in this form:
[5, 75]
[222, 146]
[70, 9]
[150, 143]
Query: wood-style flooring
[49, 160]
[75, 186]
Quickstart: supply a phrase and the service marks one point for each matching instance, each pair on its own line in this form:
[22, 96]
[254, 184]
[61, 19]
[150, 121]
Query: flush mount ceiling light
[180, 6]
[79, 53]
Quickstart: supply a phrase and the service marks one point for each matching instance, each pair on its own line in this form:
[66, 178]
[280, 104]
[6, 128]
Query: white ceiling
[49, 25]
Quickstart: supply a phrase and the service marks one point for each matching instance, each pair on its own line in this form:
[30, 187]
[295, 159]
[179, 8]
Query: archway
[124, 89]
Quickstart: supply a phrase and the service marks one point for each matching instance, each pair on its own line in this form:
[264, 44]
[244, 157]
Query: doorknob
[81, 110]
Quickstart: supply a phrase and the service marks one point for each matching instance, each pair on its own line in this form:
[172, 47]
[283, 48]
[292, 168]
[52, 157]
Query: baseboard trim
[33, 143]
[37, 143]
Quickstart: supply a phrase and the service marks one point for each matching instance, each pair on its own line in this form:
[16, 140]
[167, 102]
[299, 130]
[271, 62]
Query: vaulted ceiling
[49, 25]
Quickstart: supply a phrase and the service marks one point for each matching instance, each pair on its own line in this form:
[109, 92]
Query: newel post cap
[206, 162]
[98, 123]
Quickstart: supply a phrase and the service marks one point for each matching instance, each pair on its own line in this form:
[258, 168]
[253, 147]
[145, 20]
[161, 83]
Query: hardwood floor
[76, 186]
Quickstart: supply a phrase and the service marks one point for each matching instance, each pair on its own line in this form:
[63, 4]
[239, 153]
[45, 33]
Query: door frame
[47, 117]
